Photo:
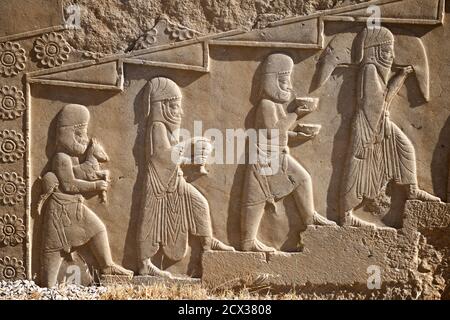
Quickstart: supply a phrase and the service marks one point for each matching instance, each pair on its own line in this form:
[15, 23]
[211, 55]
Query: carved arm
[271, 120]
[397, 83]
[63, 169]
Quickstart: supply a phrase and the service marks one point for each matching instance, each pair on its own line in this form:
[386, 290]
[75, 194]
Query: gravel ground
[24, 289]
[28, 290]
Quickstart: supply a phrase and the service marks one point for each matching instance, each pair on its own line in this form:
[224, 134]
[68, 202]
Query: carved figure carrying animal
[90, 169]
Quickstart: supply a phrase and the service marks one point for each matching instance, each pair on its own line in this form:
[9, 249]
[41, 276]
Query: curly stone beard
[70, 143]
[271, 89]
[385, 61]
[172, 119]
[374, 55]
[79, 146]
[161, 113]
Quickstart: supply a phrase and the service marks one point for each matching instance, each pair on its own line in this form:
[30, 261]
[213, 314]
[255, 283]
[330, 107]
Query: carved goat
[90, 169]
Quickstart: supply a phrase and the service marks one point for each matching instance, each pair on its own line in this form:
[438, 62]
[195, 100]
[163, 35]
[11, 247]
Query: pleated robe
[379, 151]
[170, 210]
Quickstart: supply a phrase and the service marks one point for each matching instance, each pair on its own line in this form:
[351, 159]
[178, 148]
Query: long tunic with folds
[171, 210]
[68, 223]
[379, 151]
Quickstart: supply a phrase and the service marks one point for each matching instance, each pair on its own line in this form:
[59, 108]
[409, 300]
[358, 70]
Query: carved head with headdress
[165, 102]
[376, 46]
[276, 77]
[71, 129]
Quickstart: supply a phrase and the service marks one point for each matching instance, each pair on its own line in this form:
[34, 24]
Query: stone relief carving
[179, 32]
[52, 50]
[379, 150]
[12, 103]
[202, 151]
[90, 169]
[11, 268]
[164, 31]
[12, 146]
[171, 208]
[12, 188]
[93, 55]
[146, 40]
[263, 184]
[12, 59]
[67, 222]
[12, 230]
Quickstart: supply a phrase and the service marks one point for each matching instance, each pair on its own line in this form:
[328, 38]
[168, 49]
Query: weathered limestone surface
[334, 257]
[113, 26]
[313, 151]
[426, 216]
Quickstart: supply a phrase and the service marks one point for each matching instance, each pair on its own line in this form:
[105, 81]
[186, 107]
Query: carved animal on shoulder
[90, 169]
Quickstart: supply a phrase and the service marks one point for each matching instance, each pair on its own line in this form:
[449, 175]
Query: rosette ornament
[52, 50]
[12, 59]
[12, 103]
[12, 188]
[145, 41]
[12, 230]
[11, 268]
[180, 33]
[12, 146]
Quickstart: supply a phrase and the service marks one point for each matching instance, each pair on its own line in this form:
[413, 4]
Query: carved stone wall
[94, 173]
[125, 21]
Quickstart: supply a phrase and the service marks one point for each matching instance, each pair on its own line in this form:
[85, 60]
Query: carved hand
[407, 70]
[302, 135]
[300, 111]
[101, 185]
[396, 84]
[307, 135]
[177, 154]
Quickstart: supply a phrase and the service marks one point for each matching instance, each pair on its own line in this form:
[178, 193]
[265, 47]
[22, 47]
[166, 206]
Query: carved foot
[320, 220]
[352, 221]
[421, 195]
[116, 270]
[255, 245]
[217, 245]
[203, 171]
[149, 269]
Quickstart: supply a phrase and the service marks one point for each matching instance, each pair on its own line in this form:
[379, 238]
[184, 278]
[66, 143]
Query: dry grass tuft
[154, 292]
[186, 292]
